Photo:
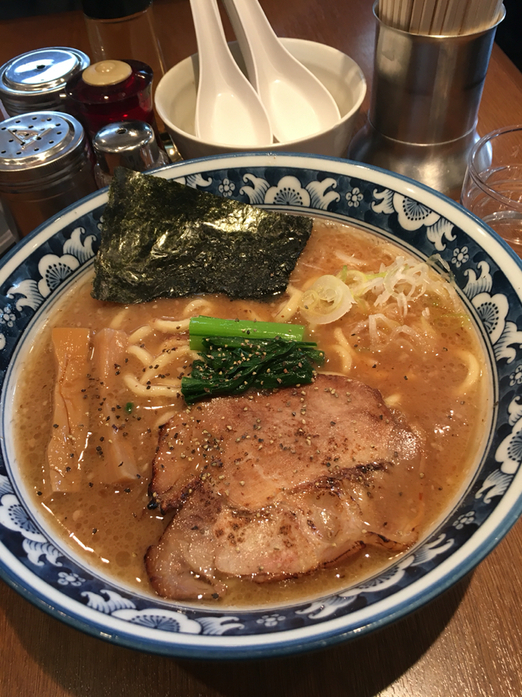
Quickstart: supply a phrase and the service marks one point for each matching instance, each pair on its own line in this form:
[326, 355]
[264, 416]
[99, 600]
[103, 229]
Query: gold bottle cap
[108, 72]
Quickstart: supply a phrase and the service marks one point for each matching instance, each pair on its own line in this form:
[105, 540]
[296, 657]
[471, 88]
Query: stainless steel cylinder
[425, 99]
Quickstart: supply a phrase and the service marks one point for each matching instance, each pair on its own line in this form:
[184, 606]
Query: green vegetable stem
[201, 327]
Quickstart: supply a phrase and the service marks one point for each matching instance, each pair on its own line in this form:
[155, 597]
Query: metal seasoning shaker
[130, 144]
[36, 80]
[46, 164]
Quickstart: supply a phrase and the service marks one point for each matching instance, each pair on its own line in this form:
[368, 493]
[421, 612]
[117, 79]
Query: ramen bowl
[53, 259]
[175, 101]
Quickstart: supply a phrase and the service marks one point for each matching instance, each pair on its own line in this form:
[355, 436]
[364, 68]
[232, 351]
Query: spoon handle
[228, 109]
[255, 35]
[210, 36]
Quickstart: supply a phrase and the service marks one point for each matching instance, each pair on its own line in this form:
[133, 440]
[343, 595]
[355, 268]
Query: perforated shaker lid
[39, 145]
[36, 80]
[131, 144]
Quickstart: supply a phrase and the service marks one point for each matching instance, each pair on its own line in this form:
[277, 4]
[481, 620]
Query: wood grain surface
[465, 643]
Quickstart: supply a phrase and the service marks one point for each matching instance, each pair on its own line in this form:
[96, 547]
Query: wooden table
[466, 643]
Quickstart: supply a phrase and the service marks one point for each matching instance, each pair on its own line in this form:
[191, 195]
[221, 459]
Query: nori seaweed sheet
[163, 239]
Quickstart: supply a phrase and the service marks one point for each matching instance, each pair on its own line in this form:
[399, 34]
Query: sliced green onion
[327, 300]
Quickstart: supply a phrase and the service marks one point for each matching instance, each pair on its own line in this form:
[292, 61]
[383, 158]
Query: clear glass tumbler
[492, 187]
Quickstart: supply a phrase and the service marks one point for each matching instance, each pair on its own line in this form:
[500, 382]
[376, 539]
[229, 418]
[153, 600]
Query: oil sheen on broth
[432, 370]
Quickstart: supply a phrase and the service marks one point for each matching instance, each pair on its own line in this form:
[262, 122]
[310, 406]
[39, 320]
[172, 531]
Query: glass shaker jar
[46, 164]
[109, 91]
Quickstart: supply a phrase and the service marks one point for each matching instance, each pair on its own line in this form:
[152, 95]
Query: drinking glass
[492, 187]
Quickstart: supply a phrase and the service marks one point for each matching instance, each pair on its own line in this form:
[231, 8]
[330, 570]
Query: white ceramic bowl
[36, 274]
[175, 101]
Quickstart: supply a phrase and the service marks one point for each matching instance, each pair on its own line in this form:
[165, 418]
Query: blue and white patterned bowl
[35, 274]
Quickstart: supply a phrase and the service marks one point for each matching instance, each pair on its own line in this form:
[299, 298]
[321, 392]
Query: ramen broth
[432, 370]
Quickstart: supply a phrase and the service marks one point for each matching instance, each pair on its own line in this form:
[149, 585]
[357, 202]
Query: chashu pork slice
[270, 486]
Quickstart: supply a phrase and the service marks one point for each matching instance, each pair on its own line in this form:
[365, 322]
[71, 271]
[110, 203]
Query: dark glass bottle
[119, 28]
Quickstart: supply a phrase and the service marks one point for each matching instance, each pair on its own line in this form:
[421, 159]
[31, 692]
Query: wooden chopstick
[384, 11]
[454, 16]
[438, 17]
[426, 18]
[406, 7]
[395, 14]
[416, 16]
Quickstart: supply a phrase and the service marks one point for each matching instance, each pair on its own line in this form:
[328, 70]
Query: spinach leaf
[232, 365]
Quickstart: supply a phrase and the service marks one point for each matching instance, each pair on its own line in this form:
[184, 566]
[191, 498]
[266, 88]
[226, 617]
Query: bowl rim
[334, 630]
[162, 86]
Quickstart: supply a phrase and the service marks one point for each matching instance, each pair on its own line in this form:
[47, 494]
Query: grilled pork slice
[270, 486]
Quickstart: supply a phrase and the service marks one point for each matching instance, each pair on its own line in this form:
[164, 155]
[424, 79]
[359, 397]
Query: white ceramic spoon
[228, 109]
[297, 103]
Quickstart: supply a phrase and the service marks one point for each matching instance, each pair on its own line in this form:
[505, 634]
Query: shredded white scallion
[403, 281]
